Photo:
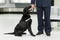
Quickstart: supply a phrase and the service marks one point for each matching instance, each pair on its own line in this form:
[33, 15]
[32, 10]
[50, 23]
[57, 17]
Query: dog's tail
[10, 33]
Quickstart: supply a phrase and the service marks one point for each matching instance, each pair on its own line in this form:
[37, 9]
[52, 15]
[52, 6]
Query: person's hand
[32, 6]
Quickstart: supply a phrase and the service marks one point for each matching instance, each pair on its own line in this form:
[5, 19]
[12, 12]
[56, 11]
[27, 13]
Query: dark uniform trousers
[44, 24]
[43, 7]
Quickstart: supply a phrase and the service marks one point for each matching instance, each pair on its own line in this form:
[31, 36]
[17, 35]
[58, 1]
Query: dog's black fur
[24, 24]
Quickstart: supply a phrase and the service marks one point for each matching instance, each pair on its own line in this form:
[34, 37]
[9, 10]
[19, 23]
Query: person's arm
[32, 3]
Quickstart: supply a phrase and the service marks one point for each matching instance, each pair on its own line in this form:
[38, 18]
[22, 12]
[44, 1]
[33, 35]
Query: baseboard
[15, 12]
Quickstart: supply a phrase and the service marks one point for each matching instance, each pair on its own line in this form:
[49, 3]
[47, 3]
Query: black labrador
[24, 24]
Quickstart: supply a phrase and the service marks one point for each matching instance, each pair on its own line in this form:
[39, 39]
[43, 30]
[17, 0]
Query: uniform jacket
[41, 3]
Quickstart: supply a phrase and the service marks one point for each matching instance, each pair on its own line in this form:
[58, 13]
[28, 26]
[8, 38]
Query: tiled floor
[9, 21]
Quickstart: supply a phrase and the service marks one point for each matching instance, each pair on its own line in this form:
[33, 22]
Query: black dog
[24, 24]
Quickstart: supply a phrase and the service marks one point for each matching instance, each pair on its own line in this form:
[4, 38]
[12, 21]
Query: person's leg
[40, 19]
[47, 19]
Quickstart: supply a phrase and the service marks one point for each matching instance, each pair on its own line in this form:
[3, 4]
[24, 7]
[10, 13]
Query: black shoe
[39, 33]
[48, 34]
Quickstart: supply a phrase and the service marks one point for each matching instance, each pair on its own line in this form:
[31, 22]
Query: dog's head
[26, 10]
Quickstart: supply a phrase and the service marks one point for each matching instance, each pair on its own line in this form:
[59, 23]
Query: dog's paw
[24, 33]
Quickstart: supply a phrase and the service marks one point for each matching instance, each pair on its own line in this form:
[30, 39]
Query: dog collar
[27, 19]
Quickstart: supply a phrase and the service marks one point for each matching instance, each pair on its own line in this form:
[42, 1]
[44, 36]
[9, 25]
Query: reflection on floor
[9, 21]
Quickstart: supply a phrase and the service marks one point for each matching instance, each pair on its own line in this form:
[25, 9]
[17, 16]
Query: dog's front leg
[29, 27]
[30, 31]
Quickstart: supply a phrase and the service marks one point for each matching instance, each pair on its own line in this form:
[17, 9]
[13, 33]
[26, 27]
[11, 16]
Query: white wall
[21, 1]
[2, 1]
